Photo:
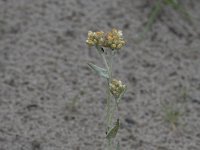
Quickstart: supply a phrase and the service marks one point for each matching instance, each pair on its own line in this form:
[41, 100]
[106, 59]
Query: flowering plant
[112, 41]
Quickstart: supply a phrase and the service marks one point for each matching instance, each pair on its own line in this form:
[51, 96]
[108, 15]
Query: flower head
[95, 38]
[112, 40]
[117, 88]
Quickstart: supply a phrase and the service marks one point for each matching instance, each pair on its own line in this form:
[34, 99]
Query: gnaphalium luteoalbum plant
[107, 44]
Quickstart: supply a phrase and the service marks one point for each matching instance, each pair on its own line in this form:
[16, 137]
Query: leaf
[100, 71]
[121, 95]
[113, 132]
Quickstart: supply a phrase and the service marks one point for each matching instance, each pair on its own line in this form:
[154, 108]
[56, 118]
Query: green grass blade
[155, 11]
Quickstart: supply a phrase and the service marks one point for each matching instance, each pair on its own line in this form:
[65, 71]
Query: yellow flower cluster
[95, 38]
[116, 87]
[113, 39]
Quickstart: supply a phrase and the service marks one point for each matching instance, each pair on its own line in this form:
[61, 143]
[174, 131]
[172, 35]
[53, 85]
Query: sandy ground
[49, 98]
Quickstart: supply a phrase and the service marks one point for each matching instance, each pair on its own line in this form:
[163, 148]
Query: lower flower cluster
[116, 88]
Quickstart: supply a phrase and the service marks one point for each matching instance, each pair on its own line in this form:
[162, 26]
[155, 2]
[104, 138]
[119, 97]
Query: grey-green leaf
[100, 71]
[113, 132]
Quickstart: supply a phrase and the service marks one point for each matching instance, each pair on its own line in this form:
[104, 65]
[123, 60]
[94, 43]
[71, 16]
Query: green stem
[106, 63]
[110, 117]
[112, 112]
[108, 92]
[110, 144]
[108, 105]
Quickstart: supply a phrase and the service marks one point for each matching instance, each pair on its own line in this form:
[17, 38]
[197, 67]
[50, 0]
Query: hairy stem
[108, 102]
[108, 105]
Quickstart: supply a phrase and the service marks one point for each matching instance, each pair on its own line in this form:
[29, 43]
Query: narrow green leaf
[100, 71]
[113, 132]
[153, 16]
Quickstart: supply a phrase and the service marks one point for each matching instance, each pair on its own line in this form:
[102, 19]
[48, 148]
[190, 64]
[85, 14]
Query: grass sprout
[157, 10]
[73, 104]
[172, 115]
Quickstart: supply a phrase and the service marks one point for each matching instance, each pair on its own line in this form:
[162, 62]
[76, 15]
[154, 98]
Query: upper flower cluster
[113, 39]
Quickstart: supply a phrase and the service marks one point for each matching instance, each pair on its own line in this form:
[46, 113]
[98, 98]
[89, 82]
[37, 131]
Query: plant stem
[108, 92]
[108, 105]
[112, 111]
[110, 144]
[110, 77]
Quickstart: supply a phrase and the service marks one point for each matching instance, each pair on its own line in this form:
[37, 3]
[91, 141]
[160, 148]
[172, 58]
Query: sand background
[43, 70]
